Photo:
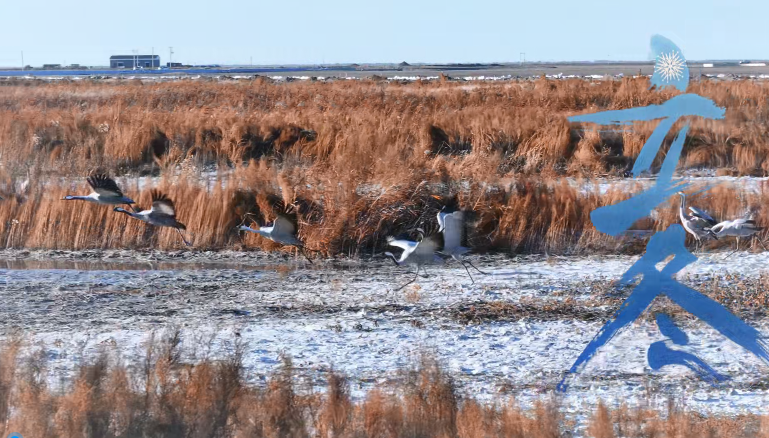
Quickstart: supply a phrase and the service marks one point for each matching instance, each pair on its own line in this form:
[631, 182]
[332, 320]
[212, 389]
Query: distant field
[523, 70]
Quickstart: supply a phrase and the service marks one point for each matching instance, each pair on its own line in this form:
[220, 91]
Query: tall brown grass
[164, 396]
[526, 215]
[344, 127]
[366, 156]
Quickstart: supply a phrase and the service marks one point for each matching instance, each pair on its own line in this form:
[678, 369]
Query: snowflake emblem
[670, 66]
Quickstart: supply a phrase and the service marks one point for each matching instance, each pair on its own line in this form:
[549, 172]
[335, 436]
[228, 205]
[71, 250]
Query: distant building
[51, 66]
[174, 64]
[134, 61]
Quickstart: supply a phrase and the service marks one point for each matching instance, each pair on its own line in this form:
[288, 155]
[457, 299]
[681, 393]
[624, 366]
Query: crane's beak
[242, 222]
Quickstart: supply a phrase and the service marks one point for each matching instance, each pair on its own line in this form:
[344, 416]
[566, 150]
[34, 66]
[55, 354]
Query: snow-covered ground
[349, 315]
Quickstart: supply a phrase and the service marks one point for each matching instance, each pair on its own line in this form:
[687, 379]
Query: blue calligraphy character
[670, 70]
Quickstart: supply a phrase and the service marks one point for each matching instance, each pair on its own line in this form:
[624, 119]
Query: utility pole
[170, 56]
[152, 60]
[523, 58]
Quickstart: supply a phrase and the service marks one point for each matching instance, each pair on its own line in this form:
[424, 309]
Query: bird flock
[106, 192]
[447, 243]
[702, 226]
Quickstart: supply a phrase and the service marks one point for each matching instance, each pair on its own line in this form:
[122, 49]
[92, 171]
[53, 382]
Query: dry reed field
[530, 215]
[164, 396]
[360, 131]
[364, 156]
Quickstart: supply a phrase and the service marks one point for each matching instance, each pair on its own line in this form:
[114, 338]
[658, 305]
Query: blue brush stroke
[678, 106]
[660, 355]
[615, 219]
[663, 46]
[670, 111]
[670, 329]
[654, 282]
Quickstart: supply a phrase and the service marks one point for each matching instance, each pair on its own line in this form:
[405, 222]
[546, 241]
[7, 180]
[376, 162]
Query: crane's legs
[182, 236]
[468, 271]
[479, 271]
[735, 249]
[412, 280]
[301, 250]
[468, 262]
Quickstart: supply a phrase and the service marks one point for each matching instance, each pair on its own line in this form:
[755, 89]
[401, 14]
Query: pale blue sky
[314, 31]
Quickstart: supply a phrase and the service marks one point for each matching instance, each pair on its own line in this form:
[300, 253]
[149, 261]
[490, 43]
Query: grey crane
[738, 228]
[283, 230]
[696, 222]
[105, 191]
[162, 214]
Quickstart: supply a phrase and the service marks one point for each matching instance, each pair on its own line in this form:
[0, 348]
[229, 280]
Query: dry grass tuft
[165, 396]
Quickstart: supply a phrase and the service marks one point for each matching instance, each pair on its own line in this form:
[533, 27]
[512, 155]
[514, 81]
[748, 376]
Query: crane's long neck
[391, 256]
[78, 198]
[123, 210]
[255, 231]
[682, 210]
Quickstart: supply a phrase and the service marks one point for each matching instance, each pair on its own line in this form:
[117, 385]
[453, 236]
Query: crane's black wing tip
[103, 181]
[159, 197]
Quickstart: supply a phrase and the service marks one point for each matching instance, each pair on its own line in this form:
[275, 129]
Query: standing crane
[738, 228]
[452, 224]
[697, 223]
